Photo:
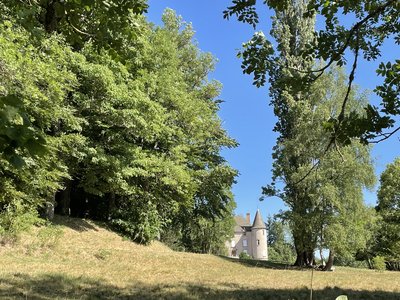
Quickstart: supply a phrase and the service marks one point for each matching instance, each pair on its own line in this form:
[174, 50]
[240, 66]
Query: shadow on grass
[261, 263]
[59, 286]
[76, 224]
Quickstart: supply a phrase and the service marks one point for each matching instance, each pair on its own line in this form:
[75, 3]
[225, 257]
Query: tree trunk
[64, 200]
[50, 17]
[305, 255]
[329, 263]
[47, 211]
[111, 205]
[322, 257]
[370, 266]
[304, 258]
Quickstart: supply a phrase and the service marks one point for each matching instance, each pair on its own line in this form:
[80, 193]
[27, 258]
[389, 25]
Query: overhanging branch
[385, 136]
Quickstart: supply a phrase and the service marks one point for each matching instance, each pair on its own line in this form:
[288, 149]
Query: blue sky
[245, 113]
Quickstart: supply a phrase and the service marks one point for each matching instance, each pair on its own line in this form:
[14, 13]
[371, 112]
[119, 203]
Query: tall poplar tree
[322, 185]
[292, 32]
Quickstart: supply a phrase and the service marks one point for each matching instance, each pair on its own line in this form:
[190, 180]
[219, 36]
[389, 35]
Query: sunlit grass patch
[91, 262]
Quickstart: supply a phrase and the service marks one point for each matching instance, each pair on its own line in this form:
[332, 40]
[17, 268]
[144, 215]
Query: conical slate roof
[258, 221]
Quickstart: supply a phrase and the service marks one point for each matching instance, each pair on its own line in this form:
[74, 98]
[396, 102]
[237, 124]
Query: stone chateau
[249, 238]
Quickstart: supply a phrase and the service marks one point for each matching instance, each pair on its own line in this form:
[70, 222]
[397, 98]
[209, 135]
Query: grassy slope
[90, 262]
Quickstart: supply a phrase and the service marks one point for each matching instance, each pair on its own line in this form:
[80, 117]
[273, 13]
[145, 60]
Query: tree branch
[351, 78]
[76, 29]
[385, 136]
[314, 166]
[352, 31]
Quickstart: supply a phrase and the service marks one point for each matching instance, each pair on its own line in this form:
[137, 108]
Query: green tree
[388, 237]
[172, 159]
[102, 22]
[37, 90]
[79, 22]
[195, 232]
[280, 242]
[336, 214]
[125, 120]
[311, 165]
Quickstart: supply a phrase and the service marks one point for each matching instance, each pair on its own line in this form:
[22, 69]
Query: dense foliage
[280, 242]
[107, 116]
[388, 235]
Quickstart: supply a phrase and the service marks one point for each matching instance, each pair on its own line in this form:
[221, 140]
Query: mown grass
[90, 262]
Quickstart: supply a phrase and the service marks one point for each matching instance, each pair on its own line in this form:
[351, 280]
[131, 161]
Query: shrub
[393, 265]
[14, 220]
[378, 263]
[244, 255]
[139, 220]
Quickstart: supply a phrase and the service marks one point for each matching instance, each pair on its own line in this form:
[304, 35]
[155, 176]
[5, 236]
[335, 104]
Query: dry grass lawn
[90, 262]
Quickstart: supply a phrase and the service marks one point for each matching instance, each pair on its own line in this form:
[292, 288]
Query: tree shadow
[76, 224]
[261, 263]
[59, 286]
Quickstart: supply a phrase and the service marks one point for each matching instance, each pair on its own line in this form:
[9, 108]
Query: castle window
[244, 243]
[258, 242]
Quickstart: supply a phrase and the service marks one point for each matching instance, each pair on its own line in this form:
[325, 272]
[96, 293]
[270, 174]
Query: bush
[393, 265]
[378, 262]
[139, 220]
[244, 255]
[14, 220]
[351, 261]
[282, 252]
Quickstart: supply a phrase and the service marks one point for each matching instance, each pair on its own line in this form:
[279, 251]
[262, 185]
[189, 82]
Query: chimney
[248, 218]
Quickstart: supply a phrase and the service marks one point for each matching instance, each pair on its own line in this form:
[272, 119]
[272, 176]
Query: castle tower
[259, 238]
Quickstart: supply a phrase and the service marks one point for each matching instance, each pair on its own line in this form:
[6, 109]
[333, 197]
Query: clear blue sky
[245, 113]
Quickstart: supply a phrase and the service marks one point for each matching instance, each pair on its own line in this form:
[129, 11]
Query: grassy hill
[78, 259]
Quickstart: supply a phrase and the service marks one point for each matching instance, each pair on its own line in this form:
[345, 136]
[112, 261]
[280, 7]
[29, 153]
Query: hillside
[78, 259]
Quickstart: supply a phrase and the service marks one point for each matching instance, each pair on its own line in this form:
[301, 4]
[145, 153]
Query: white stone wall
[260, 247]
[242, 241]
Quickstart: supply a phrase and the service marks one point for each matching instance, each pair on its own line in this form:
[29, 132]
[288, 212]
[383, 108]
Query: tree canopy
[375, 21]
[110, 117]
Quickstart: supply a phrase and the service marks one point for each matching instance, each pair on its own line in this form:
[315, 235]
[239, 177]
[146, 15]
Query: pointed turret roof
[258, 221]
